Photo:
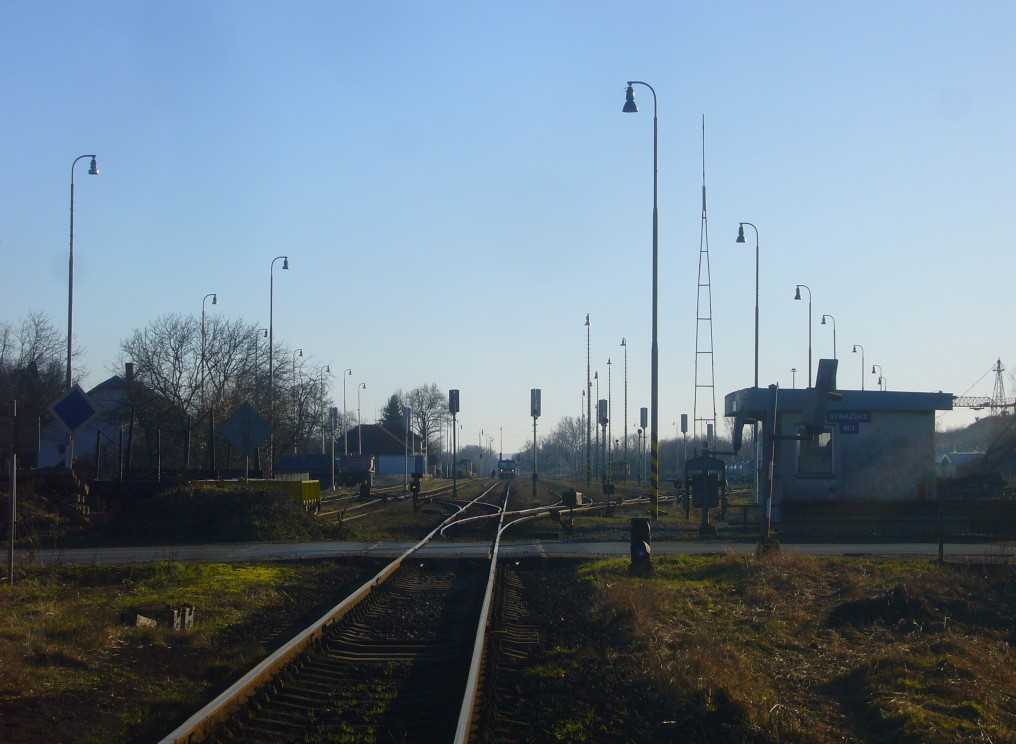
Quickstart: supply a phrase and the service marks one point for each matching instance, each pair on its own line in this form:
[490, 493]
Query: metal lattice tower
[998, 401]
[704, 412]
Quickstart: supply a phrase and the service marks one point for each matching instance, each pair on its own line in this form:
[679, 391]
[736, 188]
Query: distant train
[507, 469]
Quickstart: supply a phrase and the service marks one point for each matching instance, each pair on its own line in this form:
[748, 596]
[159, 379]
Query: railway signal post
[534, 411]
[453, 409]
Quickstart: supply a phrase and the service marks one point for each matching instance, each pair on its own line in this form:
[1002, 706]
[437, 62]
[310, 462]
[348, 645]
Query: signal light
[641, 547]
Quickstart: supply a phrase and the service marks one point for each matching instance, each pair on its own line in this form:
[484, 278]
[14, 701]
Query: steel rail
[248, 685]
[471, 696]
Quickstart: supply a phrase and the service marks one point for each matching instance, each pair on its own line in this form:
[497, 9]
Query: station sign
[849, 421]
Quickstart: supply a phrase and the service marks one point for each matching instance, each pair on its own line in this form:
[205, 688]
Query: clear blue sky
[456, 187]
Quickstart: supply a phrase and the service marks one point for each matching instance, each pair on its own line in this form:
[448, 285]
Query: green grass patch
[65, 648]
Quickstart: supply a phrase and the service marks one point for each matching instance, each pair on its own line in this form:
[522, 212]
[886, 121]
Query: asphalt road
[252, 552]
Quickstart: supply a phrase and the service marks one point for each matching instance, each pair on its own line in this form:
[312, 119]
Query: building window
[815, 452]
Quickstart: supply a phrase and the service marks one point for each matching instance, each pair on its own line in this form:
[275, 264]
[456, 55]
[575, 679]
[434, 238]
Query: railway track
[352, 507]
[392, 670]
[398, 660]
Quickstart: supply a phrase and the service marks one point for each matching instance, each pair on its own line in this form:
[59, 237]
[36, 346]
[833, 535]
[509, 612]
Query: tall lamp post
[359, 424]
[271, 354]
[856, 347]
[93, 170]
[797, 297]
[582, 430]
[215, 301]
[624, 345]
[834, 331]
[345, 429]
[610, 430]
[596, 380]
[740, 239]
[654, 487]
[326, 370]
[589, 403]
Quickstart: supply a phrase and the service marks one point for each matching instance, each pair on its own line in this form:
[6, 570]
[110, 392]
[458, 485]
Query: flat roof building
[865, 444]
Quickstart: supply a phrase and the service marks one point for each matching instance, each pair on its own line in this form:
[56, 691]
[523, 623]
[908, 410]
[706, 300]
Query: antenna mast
[704, 366]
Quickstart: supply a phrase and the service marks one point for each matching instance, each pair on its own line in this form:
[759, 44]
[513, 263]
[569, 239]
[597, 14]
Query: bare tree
[180, 378]
[429, 407]
[32, 363]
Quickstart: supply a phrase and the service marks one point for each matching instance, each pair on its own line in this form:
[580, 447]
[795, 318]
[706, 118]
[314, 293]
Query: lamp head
[587, 319]
[855, 348]
[215, 299]
[629, 101]
[328, 369]
[823, 320]
[93, 170]
[299, 352]
[797, 296]
[873, 369]
[623, 342]
[740, 233]
[285, 263]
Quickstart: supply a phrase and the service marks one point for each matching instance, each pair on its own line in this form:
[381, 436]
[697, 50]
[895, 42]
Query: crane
[997, 402]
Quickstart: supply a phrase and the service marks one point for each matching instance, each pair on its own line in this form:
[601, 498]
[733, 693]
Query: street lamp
[589, 403]
[271, 352]
[624, 345]
[359, 424]
[93, 170]
[881, 379]
[345, 429]
[326, 370]
[740, 239]
[797, 297]
[834, 331]
[596, 379]
[856, 347]
[582, 427]
[756, 454]
[215, 301]
[610, 431]
[654, 488]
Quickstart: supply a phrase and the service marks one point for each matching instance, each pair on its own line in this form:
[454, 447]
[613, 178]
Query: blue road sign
[246, 429]
[73, 409]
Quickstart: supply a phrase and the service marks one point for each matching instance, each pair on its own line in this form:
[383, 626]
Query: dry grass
[815, 649]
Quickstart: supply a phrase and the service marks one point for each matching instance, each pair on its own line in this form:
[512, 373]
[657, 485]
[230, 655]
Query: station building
[857, 444]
